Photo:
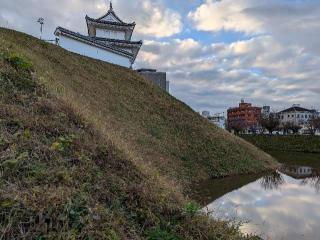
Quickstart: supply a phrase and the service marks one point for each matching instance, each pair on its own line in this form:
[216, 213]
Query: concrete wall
[158, 78]
[93, 52]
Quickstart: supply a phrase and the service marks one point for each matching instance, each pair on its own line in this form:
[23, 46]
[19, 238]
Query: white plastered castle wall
[103, 33]
[93, 52]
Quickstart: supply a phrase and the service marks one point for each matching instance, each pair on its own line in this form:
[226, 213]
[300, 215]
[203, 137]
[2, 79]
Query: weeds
[62, 178]
[18, 62]
[191, 209]
[158, 234]
[62, 143]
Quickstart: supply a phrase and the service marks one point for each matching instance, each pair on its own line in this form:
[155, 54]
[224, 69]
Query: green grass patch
[288, 143]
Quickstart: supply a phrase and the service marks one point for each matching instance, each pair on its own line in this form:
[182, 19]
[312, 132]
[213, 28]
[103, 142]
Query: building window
[288, 116]
[298, 115]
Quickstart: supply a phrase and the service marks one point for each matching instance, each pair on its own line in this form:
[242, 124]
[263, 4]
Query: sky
[215, 52]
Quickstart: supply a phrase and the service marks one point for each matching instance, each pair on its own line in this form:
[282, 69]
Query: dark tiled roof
[117, 40]
[99, 20]
[94, 42]
[297, 109]
[146, 70]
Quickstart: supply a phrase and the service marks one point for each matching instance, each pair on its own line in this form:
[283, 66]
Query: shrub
[62, 143]
[19, 63]
[158, 234]
[191, 209]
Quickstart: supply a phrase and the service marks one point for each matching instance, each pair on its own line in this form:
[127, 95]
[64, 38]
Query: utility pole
[41, 21]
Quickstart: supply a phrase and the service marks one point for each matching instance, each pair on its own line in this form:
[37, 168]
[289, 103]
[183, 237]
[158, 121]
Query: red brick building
[245, 117]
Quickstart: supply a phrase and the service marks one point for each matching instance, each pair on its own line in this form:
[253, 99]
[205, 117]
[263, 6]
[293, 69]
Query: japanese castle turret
[109, 40]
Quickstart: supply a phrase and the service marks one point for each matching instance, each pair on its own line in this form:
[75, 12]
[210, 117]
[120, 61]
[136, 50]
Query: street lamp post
[41, 21]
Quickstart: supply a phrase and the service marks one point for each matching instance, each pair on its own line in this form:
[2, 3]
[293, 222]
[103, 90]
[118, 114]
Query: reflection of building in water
[298, 172]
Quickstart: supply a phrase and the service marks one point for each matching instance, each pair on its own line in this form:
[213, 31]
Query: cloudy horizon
[215, 52]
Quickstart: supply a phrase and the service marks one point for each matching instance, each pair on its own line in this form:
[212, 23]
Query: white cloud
[152, 17]
[158, 21]
[290, 22]
[215, 15]
[216, 76]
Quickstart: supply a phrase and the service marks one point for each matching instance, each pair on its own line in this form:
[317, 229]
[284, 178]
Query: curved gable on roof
[112, 17]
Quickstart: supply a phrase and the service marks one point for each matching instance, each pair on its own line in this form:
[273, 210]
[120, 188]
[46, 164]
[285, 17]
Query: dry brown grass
[160, 134]
[61, 179]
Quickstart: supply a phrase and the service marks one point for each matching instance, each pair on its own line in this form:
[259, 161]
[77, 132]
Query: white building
[297, 115]
[109, 40]
[219, 120]
[265, 111]
[205, 114]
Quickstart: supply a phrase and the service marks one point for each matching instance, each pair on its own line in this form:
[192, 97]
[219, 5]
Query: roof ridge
[117, 40]
[90, 39]
[295, 108]
[99, 20]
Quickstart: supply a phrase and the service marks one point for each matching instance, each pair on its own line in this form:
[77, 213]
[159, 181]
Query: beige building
[297, 115]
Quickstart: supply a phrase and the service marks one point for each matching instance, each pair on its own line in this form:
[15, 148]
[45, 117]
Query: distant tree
[236, 127]
[314, 125]
[270, 123]
[291, 126]
[253, 129]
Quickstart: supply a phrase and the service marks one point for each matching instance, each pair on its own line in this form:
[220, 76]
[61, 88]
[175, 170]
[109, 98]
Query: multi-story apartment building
[245, 117]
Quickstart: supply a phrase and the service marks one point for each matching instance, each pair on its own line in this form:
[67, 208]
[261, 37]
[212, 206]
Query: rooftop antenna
[41, 21]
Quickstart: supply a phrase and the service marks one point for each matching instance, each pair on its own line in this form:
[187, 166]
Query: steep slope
[60, 178]
[158, 132]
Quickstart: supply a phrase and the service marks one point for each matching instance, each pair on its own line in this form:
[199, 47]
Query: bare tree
[236, 127]
[291, 126]
[270, 123]
[314, 125]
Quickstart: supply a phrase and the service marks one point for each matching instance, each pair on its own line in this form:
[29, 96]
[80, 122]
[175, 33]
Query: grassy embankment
[89, 150]
[290, 143]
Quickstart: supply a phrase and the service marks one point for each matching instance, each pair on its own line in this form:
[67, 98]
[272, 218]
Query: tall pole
[41, 21]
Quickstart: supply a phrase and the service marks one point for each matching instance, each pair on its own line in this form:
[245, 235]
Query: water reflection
[272, 181]
[279, 205]
[309, 176]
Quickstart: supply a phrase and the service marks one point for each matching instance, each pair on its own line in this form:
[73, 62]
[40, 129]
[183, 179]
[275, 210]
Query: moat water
[284, 204]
